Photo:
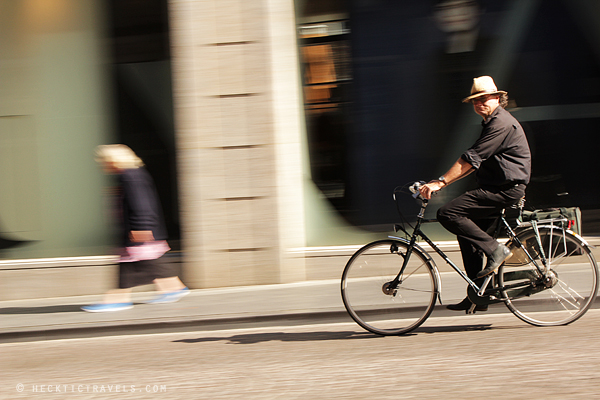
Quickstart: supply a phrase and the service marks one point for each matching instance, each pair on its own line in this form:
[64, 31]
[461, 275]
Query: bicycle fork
[398, 279]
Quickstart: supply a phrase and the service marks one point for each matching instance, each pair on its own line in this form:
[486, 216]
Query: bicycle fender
[422, 250]
[591, 246]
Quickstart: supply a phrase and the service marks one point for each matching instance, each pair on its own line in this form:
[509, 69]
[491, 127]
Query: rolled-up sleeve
[472, 158]
[488, 144]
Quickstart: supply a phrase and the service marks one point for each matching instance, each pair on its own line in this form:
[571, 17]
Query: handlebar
[413, 189]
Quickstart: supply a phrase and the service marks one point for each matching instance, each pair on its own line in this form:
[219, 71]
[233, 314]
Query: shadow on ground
[254, 338]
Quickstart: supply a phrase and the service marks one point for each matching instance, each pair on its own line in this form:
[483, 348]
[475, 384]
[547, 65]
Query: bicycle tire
[573, 285]
[401, 311]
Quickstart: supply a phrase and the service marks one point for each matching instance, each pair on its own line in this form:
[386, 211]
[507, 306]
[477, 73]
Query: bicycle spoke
[562, 300]
[569, 290]
[412, 272]
[415, 290]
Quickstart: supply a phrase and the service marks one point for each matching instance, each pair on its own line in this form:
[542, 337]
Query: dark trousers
[471, 216]
[144, 272]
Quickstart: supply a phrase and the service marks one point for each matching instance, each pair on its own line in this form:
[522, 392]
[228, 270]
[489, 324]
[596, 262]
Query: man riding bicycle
[502, 163]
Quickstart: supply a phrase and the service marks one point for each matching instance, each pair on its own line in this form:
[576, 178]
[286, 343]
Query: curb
[169, 325]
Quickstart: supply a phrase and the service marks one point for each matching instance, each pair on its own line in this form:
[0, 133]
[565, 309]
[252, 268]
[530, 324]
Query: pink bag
[146, 251]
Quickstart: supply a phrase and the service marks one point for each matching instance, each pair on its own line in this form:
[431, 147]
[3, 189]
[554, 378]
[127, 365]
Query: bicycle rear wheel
[570, 288]
[379, 308]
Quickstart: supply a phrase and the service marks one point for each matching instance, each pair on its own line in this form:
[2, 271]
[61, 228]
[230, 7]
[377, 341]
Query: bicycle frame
[481, 291]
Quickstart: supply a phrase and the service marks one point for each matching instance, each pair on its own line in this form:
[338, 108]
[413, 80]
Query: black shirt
[501, 154]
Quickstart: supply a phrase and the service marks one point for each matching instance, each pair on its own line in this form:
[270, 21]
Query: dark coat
[140, 205]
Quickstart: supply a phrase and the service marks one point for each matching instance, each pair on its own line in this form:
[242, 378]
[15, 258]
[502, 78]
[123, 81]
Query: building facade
[276, 130]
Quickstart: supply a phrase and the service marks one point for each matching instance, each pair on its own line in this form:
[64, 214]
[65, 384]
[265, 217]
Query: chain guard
[538, 285]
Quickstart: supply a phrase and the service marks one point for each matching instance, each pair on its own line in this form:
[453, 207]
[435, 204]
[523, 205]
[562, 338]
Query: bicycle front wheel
[371, 299]
[567, 291]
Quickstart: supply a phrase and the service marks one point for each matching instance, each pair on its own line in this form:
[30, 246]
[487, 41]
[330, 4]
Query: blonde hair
[119, 154]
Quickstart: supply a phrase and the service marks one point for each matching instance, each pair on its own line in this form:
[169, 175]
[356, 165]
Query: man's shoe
[170, 297]
[466, 305]
[107, 307]
[495, 260]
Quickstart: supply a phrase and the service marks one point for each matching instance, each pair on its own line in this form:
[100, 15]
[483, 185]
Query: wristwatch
[442, 179]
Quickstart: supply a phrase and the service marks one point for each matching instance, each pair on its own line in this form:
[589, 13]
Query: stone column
[238, 132]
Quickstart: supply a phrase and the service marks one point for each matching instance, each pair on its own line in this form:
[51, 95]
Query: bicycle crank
[482, 300]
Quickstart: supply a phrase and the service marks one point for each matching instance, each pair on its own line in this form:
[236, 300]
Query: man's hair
[503, 100]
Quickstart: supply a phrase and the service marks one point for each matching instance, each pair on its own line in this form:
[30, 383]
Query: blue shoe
[106, 307]
[170, 297]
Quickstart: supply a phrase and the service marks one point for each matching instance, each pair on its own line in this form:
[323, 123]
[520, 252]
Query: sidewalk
[203, 309]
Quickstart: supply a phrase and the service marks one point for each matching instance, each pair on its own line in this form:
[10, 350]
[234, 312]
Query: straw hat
[483, 86]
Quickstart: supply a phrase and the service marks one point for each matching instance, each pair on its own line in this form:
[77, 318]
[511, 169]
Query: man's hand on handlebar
[428, 189]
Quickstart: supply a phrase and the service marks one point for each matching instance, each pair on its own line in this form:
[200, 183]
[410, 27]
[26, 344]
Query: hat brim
[473, 96]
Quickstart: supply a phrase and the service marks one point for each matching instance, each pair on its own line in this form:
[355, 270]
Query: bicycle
[390, 286]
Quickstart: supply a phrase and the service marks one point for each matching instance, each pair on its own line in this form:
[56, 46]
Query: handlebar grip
[414, 189]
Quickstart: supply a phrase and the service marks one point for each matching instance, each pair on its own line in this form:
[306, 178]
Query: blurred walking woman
[142, 233]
